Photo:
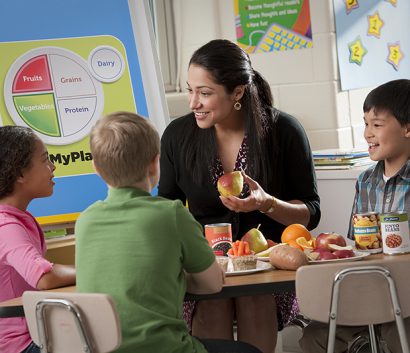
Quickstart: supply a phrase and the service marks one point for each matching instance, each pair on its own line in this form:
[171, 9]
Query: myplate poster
[267, 26]
[62, 67]
[373, 44]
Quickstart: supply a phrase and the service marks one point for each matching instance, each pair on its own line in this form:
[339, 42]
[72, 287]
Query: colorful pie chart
[51, 90]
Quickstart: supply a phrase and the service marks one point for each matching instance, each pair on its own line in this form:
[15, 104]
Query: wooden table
[265, 282]
[14, 307]
[268, 281]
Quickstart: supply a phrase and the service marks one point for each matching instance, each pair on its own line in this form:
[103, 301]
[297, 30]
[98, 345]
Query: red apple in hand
[324, 239]
[230, 184]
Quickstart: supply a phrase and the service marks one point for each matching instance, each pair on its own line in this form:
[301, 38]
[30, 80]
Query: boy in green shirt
[144, 251]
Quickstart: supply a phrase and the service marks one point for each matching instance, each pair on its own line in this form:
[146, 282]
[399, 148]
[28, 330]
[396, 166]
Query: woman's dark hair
[392, 97]
[17, 145]
[230, 67]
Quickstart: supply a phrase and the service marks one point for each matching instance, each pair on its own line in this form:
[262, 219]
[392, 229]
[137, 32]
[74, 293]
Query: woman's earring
[237, 106]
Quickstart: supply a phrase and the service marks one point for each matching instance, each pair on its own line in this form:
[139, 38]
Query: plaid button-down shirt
[373, 194]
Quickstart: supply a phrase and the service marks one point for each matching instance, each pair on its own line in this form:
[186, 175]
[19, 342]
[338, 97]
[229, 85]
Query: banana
[264, 253]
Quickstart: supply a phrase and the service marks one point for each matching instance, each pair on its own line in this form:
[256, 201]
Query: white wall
[305, 82]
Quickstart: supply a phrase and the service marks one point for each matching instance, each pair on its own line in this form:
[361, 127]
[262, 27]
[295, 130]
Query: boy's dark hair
[17, 145]
[392, 97]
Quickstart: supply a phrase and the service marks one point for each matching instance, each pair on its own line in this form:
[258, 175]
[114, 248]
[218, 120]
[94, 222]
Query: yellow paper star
[351, 5]
[393, 2]
[375, 25]
[357, 51]
[395, 55]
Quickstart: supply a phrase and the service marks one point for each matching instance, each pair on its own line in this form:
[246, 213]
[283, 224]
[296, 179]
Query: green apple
[257, 242]
[230, 184]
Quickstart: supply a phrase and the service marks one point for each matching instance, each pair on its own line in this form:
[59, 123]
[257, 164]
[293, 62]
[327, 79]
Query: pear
[256, 240]
[230, 184]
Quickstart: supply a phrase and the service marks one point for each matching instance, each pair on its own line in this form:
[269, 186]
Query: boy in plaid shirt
[382, 188]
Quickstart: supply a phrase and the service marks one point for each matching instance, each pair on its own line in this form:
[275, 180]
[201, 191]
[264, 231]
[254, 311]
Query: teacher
[234, 126]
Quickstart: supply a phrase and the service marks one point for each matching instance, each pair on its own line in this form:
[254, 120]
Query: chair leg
[331, 335]
[401, 330]
[373, 340]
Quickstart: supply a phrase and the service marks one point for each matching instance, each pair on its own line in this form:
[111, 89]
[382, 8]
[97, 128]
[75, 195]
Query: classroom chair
[72, 322]
[356, 294]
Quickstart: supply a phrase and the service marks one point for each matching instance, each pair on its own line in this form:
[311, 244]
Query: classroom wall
[305, 82]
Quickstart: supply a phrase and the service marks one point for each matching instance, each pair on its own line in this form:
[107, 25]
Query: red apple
[327, 256]
[343, 254]
[324, 239]
[316, 254]
[230, 184]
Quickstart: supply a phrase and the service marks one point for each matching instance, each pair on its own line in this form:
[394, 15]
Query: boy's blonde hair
[122, 145]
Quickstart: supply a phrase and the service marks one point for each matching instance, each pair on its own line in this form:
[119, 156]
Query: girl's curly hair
[17, 145]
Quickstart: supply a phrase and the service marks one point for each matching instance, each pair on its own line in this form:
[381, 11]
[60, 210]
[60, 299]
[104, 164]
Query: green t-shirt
[135, 247]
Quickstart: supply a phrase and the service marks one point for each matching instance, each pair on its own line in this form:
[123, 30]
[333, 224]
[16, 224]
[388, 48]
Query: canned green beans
[395, 233]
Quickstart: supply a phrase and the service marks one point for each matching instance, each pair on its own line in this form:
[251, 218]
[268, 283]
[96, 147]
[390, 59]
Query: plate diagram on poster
[59, 94]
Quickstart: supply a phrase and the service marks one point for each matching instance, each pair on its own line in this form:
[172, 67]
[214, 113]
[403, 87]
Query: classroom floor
[288, 340]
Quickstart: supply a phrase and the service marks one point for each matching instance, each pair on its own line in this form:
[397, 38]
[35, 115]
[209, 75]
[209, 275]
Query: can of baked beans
[395, 233]
[219, 236]
[366, 227]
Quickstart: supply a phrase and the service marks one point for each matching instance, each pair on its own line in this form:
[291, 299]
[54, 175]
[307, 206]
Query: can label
[367, 236]
[219, 236]
[395, 233]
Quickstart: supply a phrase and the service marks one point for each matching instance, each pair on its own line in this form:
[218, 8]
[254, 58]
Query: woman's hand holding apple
[256, 200]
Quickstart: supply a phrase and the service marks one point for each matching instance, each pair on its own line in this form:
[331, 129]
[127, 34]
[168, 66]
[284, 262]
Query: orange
[305, 244]
[295, 245]
[294, 231]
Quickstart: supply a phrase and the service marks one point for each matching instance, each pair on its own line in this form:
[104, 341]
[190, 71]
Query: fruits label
[395, 233]
[219, 236]
[367, 232]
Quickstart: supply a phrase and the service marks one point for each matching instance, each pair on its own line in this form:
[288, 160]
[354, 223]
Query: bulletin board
[66, 64]
[373, 45]
[264, 26]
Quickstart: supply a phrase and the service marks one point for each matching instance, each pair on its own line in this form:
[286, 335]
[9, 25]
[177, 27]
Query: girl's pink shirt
[22, 263]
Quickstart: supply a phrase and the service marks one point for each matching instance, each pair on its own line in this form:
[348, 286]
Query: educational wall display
[60, 87]
[372, 38]
[276, 25]
[60, 80]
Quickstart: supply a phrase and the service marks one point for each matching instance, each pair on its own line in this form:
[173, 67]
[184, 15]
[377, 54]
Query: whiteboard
[64, 64]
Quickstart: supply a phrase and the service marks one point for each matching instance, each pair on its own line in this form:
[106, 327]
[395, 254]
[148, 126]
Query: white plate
[260, 266]
[359, 255]
[263, 258]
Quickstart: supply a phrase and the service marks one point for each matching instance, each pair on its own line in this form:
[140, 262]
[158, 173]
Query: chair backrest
[70, 321]
[363, 298]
